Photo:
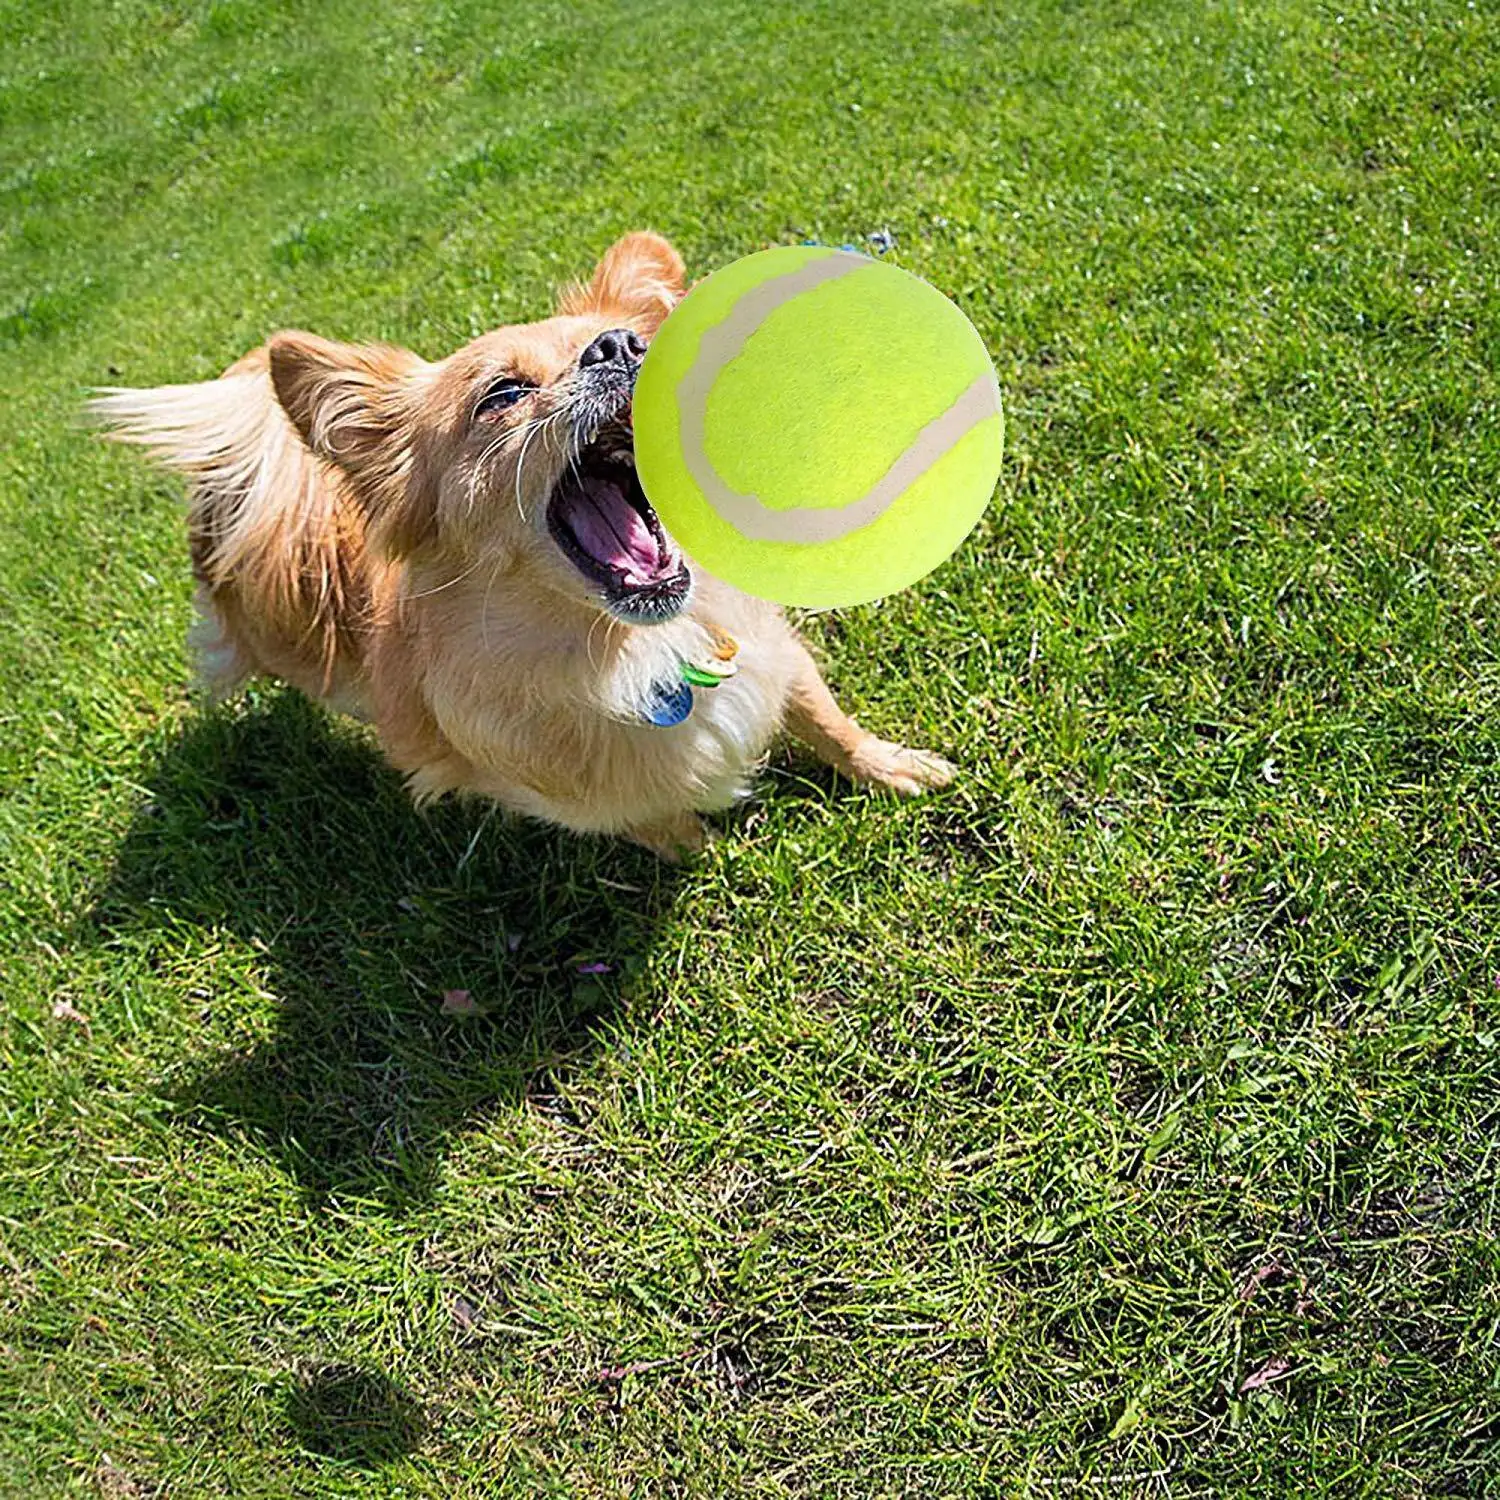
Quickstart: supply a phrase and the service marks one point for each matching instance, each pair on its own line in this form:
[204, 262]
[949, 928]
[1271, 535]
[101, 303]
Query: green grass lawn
[1123, 1121]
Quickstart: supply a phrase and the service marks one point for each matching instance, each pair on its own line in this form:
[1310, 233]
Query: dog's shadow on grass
[420, 968]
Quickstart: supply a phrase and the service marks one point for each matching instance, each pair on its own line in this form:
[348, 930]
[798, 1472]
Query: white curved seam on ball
[809, 523]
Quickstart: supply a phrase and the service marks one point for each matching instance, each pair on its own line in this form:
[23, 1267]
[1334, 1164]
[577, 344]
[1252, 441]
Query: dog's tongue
[612, 531]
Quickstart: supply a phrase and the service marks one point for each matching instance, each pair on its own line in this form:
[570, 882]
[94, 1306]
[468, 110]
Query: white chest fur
[555, 727]
[706, 761]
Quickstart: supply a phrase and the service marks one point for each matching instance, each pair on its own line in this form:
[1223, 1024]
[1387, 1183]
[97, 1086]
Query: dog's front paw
[675, 840]
[906, 772]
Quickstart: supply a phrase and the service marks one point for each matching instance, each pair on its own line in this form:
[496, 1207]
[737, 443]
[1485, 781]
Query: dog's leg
[672, 839]
[815, 719]
[224, 662]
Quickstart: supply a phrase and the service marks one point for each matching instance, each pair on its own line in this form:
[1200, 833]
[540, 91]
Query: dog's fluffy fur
[434, 547]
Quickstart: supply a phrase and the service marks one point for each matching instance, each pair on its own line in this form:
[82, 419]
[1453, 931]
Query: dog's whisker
[588, 640]
[521, 471]
[541, 428]
[477, 472]
[484, 610]
[533, 430]
[457, 578]
[525, 435]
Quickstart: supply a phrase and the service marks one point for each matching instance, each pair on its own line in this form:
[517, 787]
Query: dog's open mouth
[599, 516]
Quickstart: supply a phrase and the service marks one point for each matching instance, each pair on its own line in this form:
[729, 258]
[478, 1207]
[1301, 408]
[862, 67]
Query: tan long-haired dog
[460, 553]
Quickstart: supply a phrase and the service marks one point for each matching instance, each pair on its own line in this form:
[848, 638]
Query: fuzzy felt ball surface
[818, 428]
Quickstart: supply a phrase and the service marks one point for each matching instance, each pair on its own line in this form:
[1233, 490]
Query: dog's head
[516, 451]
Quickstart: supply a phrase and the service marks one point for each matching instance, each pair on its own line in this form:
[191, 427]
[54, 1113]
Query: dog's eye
[501, 396]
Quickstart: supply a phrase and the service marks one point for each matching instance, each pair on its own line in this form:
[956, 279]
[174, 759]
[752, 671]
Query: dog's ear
[354, 405]
[640, 280]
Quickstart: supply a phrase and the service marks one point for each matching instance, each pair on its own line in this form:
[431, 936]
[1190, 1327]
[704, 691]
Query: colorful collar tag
[672, 702]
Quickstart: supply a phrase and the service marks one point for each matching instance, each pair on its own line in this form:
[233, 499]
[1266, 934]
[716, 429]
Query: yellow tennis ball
[817, 428]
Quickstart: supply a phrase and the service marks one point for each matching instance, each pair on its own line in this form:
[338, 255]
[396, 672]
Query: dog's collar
[671, 699]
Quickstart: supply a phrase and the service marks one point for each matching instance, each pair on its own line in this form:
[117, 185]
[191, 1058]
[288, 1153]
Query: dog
[460, 553]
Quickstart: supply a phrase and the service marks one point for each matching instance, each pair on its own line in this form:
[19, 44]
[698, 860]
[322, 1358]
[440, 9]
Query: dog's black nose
[620, 346]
